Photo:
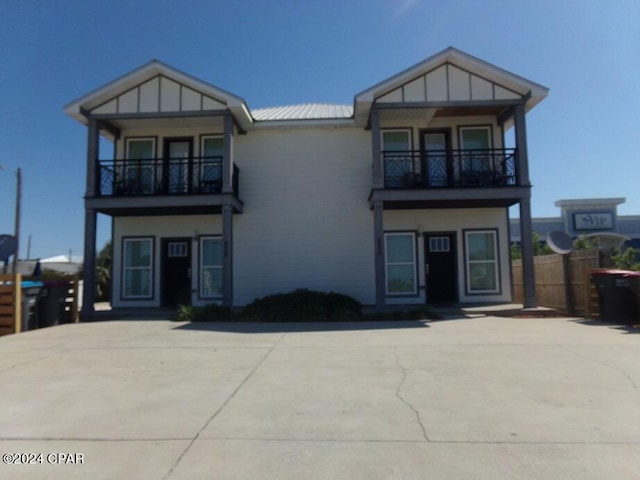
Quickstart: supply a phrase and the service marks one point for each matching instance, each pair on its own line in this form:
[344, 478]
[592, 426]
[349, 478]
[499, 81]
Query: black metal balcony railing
[199, 175]
[450, 168]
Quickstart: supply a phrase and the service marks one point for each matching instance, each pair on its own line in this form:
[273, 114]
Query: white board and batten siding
[157, 95]
[455, 220]
[448, 83]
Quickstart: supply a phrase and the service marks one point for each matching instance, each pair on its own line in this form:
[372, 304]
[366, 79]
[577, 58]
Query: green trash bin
[617, 300]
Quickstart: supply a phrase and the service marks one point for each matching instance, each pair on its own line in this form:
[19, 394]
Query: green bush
[208, 313]
[303, 305]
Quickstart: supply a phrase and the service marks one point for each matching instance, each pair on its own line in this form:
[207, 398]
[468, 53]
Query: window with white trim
[210, 267]
[137, 268]
[481, 252]
[400, 256]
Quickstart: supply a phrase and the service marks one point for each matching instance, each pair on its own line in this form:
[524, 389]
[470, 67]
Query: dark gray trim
[153, 269]
[526, 247]
[417, 266]
[89, 262]
[453, 103]
[113, 130]
[466, 263]
[199, 265]
[522, 156]
[227, 161]
[93, 153]
[227, 256]
[164, 205]
[376, 150]
[148, 115]
[506, 195]
[378, 239]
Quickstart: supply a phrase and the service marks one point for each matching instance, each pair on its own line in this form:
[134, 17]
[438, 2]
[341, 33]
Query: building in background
[591, 217]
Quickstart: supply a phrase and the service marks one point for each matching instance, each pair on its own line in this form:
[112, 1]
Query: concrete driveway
[461, 398]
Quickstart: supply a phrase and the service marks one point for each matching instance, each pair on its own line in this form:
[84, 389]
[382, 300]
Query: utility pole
[16, 233]
[17, 224]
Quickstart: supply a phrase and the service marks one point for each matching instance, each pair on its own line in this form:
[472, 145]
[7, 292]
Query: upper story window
[475, 138]
[210, 166]
[141, 148]
[396, 140]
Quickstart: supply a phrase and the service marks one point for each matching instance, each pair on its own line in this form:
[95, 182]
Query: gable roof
[469, 69]
[150, 77]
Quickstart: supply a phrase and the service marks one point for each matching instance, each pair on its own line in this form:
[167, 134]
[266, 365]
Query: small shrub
[208, 313]
[303, 305]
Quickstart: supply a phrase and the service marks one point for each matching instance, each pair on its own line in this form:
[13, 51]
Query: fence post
[17, 303]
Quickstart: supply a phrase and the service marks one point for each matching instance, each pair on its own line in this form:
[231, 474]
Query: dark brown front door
[176, 271]
[441, 270]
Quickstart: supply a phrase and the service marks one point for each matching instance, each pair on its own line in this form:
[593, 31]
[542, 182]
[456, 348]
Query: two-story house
[401, 198]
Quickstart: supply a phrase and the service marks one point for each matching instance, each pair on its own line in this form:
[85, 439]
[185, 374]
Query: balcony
[195, 176]
[449, 169]
[449, 179]
[160, 186]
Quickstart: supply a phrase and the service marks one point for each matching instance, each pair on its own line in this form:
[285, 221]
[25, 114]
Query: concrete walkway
[460, 398]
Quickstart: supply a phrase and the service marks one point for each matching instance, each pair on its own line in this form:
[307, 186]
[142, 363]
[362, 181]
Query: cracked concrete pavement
[461, 398]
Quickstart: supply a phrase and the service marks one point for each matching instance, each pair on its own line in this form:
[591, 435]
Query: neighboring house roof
[183, 91]
[62, 259]
[306, 111]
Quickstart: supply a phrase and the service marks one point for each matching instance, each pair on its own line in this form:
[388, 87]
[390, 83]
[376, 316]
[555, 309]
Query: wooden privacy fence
[550, 281]
[14, 308]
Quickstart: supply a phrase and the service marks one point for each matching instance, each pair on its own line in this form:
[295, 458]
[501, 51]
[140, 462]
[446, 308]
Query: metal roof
[306, 111]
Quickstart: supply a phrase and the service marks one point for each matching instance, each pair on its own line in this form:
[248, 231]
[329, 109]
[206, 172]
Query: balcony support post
[227, 261]
[378, 175]
[227, 159]
[89, 267]
[526, 228]
[93, 147]
[378, 238]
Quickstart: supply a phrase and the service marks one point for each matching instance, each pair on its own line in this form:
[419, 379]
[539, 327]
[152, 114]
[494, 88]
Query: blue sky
[584, 139]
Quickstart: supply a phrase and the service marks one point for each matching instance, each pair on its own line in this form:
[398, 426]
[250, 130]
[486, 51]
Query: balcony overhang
[448, 197]
[164, 205]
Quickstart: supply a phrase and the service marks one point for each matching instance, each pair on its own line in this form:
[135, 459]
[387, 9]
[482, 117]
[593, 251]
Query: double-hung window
[138, 268]
[482, 261]
[400, 255]
[210, 267]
